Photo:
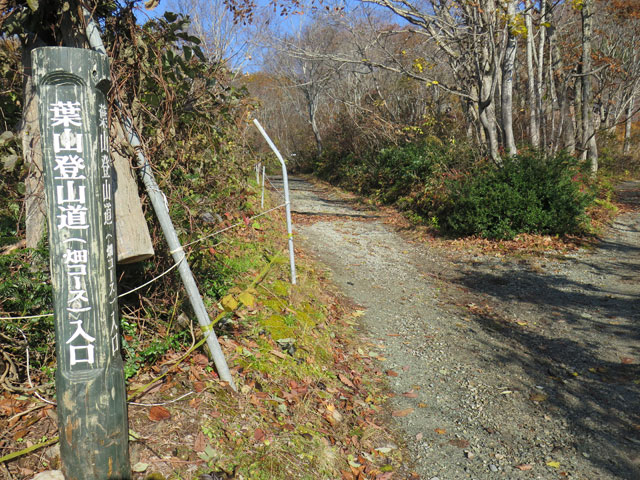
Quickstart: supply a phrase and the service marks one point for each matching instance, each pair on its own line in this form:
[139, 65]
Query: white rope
[232, 226]
[27, 317]
[153, 279]
[175, 265]
[274, 187]
[161, 404]
[35, 392]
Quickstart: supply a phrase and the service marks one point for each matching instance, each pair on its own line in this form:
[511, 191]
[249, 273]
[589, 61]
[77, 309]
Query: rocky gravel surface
[501, 366]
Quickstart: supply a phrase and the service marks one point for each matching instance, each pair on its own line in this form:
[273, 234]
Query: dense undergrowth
[452, 188]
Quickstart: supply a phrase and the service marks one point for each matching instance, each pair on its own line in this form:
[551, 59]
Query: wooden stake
[92, 412]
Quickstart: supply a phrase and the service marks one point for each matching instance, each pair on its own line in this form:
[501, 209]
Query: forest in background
[412, 102]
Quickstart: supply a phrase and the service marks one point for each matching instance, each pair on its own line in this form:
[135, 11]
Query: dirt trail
[507, 367]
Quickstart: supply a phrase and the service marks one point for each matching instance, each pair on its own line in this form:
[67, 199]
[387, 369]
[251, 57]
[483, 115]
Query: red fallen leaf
[410, 394]
[524, 467]
[245, 220]
[200, 359]
[258, 435]
[200, 443]
[20, 433]
[212, 251]
[347, 475]
[346, 381]
[198, 386]
[459, 442]
[158, 413]
[384, 476]
[626, 360]
[391, 373]
[402, 413]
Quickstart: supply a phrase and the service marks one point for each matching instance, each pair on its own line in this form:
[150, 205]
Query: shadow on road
[585, 346]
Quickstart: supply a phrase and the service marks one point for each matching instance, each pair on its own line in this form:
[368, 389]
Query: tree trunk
[577, 113]
[312, 109]
[542, 118]
[590, 149]
[534, 129]
[507, 85]
[560, 78]
[35, 207]
[627, 125]
[487, 114]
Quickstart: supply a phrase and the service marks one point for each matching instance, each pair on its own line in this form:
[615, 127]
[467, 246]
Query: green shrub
[529, 193]
[394, 174]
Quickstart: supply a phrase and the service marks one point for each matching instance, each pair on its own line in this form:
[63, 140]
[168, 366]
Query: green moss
[278, 328]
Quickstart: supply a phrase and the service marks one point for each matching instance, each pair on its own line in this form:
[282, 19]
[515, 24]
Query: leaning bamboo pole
[162, 212]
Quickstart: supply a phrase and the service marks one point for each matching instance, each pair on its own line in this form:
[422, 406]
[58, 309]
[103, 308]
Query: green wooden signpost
[92, 411]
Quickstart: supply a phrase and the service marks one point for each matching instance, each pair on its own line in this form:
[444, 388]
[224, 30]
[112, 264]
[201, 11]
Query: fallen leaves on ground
[402, 413]
[158, 413]
[459, 442]
[538, 397]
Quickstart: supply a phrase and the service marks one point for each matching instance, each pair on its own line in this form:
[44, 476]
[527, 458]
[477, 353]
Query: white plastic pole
[262, 194]
[162, 212]
[287, 202]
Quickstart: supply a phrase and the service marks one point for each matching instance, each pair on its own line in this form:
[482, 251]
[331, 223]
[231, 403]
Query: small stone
[469, 455]
[49, 475]
[493, 468]
[52, 452]
[207, 217]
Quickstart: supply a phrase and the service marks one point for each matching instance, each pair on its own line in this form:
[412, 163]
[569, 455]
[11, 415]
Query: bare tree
[223, 39]
[589, 146]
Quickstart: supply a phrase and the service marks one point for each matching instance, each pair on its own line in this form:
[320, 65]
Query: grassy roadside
[310, 400]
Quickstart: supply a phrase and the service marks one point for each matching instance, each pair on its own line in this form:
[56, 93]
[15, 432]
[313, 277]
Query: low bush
[529, 193]
[446, 186]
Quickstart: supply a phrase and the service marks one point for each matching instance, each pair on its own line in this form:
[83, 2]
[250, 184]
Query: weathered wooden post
[92, 410]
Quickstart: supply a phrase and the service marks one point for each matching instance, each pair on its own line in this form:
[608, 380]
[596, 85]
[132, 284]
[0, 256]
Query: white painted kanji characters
[88, 348]
[69, 167]
[72, 194]
[106, 166]
[106, 190]
[102, 116]
[67, 141]
[66, 113]
[73, 217]
[115, 334]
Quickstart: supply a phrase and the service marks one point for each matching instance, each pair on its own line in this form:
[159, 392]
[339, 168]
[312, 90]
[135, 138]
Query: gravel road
[514, 367]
